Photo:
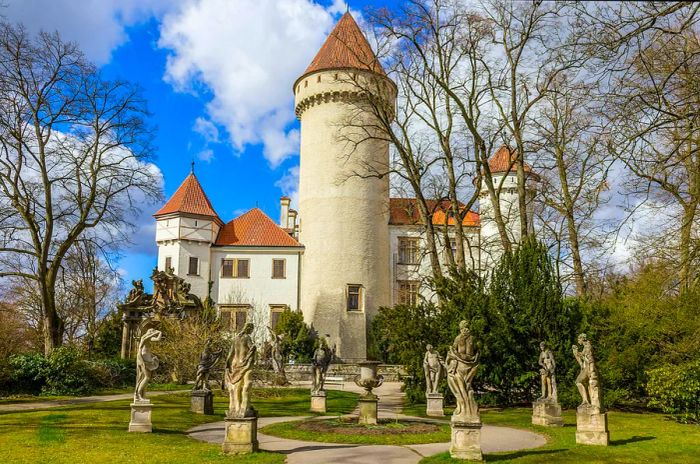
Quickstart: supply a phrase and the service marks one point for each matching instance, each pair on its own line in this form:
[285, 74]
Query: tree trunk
[685, 274]
[53, 326]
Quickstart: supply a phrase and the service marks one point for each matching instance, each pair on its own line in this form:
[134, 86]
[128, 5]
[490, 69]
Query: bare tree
[73, 152]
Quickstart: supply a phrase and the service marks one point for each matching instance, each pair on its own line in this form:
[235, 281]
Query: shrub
[299, 338]
[67, 373]
[27, 373]
[675, 389]
[114, 372]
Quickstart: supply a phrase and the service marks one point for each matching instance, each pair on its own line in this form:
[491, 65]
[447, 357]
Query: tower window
[354, 297]
[279, 268]
[318, 79]
[168, 263]
[193, 268]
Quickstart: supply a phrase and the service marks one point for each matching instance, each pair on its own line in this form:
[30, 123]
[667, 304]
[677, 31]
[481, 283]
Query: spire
[346, 47]
[189, 198]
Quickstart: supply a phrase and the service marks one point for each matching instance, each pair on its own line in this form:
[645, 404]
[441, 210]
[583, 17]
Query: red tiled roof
[189, 198]
[404, 211]
[504, 160]
[346, 47]
[254, 228]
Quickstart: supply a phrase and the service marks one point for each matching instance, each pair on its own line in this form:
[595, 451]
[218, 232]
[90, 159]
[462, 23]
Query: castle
[350, 249]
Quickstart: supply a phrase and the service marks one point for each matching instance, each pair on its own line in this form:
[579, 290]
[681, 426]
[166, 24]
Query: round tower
[343, 202]
[503, 171]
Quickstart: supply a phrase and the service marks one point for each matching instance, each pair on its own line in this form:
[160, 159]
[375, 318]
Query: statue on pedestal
[277, 357]
[433, 367]
[547, 375]
[207, 361]
[239, 367]
[323, 356]
[462, 361]
[587, 379]
[146, 363]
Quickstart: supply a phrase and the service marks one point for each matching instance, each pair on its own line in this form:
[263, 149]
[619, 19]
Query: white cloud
[247, 53]
[206, 129]
[206, 155]
[98, 26]
[289, 184]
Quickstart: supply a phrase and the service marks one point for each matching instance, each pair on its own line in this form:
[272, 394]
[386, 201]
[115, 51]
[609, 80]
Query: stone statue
[587, 380]
[239, 367]
[277, 357]
[547, 368]
[207, 360]
[462, 361]
[433, 366]
[146, 363]
[136, 295]
[323, 356]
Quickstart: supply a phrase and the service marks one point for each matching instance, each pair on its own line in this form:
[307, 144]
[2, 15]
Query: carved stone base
[591, 427]
[318, 402]
[368, 410]
[141, 417]
[547, 413]
[434, 406]
[466, 441]
[202, 402]
[240, 435]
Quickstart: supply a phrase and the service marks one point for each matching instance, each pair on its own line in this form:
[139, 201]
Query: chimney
[292, 219]
[284, 212]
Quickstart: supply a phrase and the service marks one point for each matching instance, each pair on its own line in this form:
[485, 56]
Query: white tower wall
[343, 219]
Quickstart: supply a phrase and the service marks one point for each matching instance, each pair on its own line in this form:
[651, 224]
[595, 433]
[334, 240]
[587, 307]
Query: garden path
[493, 439]
[32, 405]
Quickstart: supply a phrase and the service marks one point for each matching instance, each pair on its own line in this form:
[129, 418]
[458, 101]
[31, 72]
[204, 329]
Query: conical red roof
[504, 160]
[189, 198]
[346, 47]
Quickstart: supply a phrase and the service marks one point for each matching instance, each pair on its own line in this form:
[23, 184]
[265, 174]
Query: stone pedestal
[368, 410]
[240, 435]
[591, 426]
[547, 413]
[141, 417]
[434, 406]
[318, 402]
[466, 441]
[202, 402]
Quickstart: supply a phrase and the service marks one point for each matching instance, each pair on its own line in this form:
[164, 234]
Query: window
[354, 297]
[193, 269]
[239, 268]
[195, 223]
[408, 292]
[279, 268]
[234, 316]
[408, 250]
[275, 311]
[168, 264]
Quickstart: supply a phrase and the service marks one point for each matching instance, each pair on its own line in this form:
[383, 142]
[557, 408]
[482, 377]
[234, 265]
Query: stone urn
[368, 378]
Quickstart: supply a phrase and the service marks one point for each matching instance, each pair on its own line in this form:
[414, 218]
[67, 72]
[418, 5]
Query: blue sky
[217, 75]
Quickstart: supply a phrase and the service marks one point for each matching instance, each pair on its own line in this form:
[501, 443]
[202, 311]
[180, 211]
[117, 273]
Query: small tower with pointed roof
[504, 173]
[186, 227]
[343, 203]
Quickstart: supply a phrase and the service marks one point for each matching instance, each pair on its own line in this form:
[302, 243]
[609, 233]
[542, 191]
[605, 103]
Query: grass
[634, 438]
[359, 434]
[107, 391]
[97, 433]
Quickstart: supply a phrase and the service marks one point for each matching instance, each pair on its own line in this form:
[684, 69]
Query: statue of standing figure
[547, 373]
[587, 380]
[323, 356]
[433, 367]
[462, 361]
[207, 361]
[146, 363]
[239, 368]
[277, 357]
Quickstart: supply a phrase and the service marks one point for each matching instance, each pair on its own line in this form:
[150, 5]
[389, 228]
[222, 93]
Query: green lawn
[97, 433]
[634, 438]
[106, 391]
[360, 434]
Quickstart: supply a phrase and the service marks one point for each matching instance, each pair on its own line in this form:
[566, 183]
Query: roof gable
[404, 211]
[189, 198]
[346, 47]
[254, 228]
